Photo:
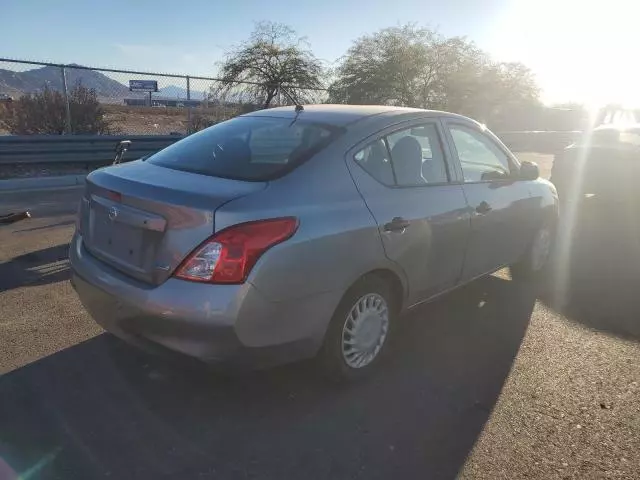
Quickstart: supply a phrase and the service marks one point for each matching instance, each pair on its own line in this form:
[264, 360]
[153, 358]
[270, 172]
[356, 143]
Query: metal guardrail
[88, 149]
[100, 149]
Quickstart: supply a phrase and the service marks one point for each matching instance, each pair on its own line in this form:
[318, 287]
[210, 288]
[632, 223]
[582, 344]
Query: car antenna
[299, 108]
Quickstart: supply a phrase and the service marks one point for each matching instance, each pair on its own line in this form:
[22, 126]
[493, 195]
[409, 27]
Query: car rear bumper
[233, 325]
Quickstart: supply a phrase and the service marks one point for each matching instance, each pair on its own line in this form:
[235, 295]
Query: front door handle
[397, 224]
[483, 208]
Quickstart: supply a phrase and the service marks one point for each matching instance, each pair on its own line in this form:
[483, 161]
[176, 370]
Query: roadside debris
[14, 217]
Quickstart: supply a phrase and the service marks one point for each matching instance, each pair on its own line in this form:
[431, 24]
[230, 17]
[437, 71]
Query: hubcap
[541, 249]
[365, 330]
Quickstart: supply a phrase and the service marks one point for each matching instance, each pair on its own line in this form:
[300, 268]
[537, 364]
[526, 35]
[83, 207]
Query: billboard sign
[143, 85]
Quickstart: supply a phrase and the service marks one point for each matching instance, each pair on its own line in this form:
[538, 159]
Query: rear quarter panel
[337, 239]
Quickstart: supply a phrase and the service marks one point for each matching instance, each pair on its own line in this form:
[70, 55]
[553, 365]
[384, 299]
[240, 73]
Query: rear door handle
[483, 208]
[397, 224]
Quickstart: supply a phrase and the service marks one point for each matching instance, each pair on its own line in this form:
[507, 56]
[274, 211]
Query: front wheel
[536, 259]
[358, 333]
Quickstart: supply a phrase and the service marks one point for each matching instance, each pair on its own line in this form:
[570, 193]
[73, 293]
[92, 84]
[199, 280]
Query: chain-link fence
[46, 98]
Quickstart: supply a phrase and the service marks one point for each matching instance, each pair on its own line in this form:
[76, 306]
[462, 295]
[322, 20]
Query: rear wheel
[359, 331]
[536, 259]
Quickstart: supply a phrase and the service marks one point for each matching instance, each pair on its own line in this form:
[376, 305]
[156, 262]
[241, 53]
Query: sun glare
[581, 51]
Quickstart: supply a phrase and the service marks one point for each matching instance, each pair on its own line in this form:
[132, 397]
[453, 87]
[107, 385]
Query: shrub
[87, 115]
[200, 122]
[204, 117]
[45, 113]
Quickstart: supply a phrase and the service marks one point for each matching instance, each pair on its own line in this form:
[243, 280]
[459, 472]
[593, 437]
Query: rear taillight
[114, 196]
[229, 255]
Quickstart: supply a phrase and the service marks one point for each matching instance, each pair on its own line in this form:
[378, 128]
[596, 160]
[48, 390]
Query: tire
[530, 266]
[340, 366]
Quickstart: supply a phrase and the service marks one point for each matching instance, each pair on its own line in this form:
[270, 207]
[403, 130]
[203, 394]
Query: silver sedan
[304, 231]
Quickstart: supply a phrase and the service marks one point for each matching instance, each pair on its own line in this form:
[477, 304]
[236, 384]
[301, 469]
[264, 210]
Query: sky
[580, 50]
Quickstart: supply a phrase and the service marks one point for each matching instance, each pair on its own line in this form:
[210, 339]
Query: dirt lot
[162, 120]
[146, 120]
[157, 120]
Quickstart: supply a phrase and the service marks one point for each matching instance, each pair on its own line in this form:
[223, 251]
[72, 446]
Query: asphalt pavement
[493, 381]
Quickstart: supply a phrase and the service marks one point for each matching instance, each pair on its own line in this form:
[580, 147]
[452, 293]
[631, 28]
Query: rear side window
[411, 157]
[417, 156]
[247, 148]
[374, 158]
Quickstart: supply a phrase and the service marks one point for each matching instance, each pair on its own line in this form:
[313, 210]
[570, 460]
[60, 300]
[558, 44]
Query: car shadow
[596, 275]
[102, 409]
[49, 265]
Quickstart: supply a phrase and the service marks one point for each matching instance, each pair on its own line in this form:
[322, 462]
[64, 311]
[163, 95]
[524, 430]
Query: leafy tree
[502, 94]
[418, 67]
[275, 60]
[45, 113]
[388, 67]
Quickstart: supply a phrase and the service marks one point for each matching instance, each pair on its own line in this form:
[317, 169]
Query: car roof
[341, 115]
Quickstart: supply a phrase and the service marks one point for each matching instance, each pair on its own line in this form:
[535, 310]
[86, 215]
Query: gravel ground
[570, 409]
[43, 170]
[488, 382]
[40, 312]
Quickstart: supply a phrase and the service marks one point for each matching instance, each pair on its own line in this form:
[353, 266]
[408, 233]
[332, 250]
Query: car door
[502, 212]
[405, 178]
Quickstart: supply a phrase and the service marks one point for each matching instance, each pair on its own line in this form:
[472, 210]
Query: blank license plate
[119, 240]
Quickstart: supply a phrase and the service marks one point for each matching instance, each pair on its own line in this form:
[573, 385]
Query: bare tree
[273, 60]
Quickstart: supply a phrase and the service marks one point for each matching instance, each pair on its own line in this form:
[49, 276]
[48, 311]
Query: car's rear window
[612, 137]
[247, 148]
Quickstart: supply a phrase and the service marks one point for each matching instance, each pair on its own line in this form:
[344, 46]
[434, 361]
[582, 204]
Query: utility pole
[188, 105]
[67, 126]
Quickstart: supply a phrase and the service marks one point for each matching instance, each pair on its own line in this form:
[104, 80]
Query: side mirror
[123, 146]
[529, 171]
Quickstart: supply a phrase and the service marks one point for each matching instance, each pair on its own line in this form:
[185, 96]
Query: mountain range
[172, 91]
[30, 81]
[35, 80]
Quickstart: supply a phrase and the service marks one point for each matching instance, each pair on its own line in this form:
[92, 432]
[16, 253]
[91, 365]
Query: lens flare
[569, 213]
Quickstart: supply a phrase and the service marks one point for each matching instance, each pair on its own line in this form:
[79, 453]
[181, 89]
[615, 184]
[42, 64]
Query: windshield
[247, 148]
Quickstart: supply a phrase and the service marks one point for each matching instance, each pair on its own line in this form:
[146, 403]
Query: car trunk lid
[143, 219]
